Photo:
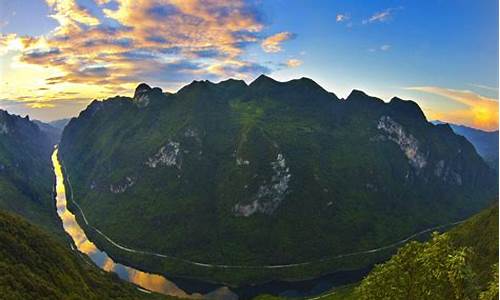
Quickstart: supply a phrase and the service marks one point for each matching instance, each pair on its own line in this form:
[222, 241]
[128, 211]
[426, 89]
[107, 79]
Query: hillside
[485, 142]
[460, 264]
[271, 173]
[26, 178]
[468, 253]
[33, 265]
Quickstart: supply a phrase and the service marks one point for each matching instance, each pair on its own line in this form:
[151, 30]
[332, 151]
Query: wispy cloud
[485, 87]
[380, 17]
[293, 63]
[385, 47]
[273, 43]
[342, 17]
[478, 111]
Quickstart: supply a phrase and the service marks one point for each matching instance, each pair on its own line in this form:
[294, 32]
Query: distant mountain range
[266, 174]
[53, 129]
[485, 142]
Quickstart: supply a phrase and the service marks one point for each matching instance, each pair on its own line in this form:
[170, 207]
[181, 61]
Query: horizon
[248, 84]
[60, 55]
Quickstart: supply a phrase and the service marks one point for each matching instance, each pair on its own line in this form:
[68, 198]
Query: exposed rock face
[141, 95]
[168, 155]
[123, 186]
[4, 129]
[407, 142]
[269, 196]
[445, 172]
[242, 162]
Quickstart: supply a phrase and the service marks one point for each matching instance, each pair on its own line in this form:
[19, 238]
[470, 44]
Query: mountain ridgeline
[265, 174]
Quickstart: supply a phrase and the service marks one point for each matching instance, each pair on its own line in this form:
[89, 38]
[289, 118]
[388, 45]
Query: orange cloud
[273, 43]
[479, 111]
[108, 49]
[293, 63]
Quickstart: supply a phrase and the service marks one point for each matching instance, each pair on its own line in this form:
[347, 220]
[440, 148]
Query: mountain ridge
[236, 168]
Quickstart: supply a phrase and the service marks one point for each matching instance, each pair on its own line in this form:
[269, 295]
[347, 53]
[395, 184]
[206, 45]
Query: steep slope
[33, 265]
[271, 173]
[476, 241]
[485, 142]
[460, 264]
[26, 178]
[59, 124]
[52, 133]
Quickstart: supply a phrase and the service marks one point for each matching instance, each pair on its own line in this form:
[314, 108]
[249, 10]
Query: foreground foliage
[460, 264]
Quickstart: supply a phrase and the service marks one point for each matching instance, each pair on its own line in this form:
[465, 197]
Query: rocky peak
[357, 96]
[143, 94]
[408, 108]
[141, 89]
[263, 81]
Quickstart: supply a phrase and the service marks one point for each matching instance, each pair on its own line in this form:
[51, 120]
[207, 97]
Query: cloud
[110, 45]
[41, 105]
[478, 111]
[293, 63]
[485, 87]
[381, 17]
[273, 43]
[385, 47]
[342, 17]
[68, 12]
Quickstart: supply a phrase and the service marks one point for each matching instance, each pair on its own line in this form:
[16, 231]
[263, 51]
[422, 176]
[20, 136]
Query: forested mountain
[271, 173]
[26, 176]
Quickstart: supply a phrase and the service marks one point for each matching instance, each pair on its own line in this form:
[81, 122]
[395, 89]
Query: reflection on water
[148, 281]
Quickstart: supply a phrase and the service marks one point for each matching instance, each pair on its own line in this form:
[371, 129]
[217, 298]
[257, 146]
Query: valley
[235, 179]
[193, 277]
[249, 150]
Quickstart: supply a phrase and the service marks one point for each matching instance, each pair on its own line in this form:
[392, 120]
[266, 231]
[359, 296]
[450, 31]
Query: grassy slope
[33, 265]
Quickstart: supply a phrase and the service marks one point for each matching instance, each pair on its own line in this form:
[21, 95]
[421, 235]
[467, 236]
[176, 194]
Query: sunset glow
[59, 55]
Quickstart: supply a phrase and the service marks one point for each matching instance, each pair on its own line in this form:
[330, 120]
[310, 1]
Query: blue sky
[442, 54]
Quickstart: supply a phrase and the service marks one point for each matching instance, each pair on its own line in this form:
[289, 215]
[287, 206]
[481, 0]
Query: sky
[56, 56]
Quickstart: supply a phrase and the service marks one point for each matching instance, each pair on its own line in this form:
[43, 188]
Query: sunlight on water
[148, 281]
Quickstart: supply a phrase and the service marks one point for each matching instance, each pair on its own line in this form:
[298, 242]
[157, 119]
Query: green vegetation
[26, 177]
[33, 265]
[187, 167]
[459, 264]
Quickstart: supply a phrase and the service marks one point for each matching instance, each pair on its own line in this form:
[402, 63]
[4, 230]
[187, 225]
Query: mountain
[52, 133]
[33, 265]
[53, 130]
[26, 177]
[59, 124]
[485, 142]
[265, 175]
